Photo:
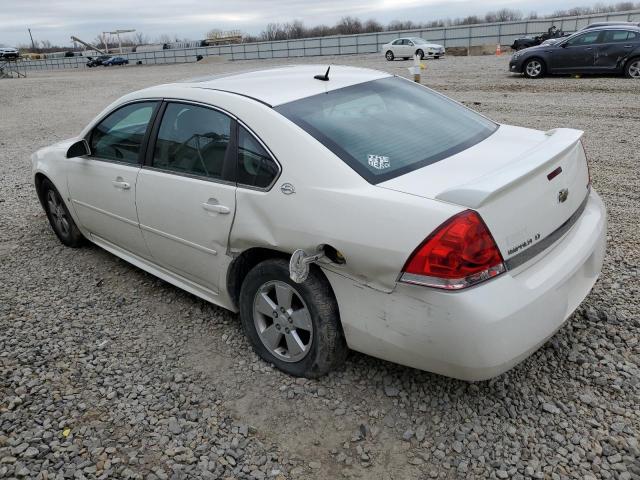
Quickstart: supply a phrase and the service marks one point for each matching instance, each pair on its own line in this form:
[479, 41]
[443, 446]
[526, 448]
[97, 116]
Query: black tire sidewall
[328, 348]
[74, 238]
[420, 54]
[388, 54]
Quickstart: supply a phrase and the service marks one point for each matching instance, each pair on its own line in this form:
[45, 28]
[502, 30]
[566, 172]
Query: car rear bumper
[484, 331]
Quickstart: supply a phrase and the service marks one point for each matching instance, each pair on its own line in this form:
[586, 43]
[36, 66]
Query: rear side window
[119, 136]
[611, 36]
[193, 140]
[256, 168]
[388, 127]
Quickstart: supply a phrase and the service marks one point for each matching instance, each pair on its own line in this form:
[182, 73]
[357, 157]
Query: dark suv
[97, 61]
[611, 49]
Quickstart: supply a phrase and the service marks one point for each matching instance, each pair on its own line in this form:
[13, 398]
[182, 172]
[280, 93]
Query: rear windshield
[388, 127]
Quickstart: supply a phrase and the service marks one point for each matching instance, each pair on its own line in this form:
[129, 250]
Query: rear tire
[632, 68]
[389, 56]
[59, 217]
[534, 68]
[294, 326]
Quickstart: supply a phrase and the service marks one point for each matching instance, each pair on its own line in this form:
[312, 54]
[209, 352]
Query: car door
[102, 185]
[576, 54]
[396, 47]
[614, 47]
[186, 191]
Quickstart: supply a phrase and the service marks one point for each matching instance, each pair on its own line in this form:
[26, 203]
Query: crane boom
[88, 45]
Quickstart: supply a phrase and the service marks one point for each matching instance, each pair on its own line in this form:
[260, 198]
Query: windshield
[388, 127]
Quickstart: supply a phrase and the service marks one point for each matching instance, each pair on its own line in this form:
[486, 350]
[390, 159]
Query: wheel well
[243, 264]
[540, 59]
[39, 178]
[248, 259]
[631, 59]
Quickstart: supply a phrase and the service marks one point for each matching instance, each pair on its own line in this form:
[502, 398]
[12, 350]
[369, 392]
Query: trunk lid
[525, 184]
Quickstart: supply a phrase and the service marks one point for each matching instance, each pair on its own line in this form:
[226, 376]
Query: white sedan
[351, 210]
[406, 48]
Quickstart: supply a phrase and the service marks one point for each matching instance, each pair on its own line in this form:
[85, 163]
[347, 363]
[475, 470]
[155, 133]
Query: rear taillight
[459, 253]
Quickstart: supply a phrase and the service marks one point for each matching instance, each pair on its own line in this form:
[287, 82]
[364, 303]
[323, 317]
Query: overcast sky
[57, 20]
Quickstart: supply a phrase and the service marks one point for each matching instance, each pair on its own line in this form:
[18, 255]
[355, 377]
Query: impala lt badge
[563, 195]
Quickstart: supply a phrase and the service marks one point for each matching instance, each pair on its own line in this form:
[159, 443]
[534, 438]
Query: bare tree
[349, 26]
[140, 38]
[371, 26]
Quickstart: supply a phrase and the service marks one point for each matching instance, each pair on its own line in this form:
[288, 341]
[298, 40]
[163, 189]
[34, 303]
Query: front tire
[295, 326]
[420, 54]
[389, 56]
[632, 68]
[59, 217]
[534, 68]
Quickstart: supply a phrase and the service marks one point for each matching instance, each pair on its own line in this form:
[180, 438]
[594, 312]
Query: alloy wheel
[282, 321]
[634, 69]
[389, 56]
[534, 68]
[58, 213]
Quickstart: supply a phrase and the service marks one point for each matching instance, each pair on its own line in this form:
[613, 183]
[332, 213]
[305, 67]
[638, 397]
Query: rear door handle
[120, 183]
[212, 205]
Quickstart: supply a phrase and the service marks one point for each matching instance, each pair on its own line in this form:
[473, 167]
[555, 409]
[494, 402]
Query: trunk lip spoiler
[539, 247]
[476, 193]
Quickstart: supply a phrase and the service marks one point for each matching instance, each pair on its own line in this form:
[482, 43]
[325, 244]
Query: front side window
[385, 128]
[584, 39]
[119, 136]
[256, 168]
[193, 140]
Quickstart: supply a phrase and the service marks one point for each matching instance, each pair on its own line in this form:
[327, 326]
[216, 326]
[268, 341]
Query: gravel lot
[108, 372]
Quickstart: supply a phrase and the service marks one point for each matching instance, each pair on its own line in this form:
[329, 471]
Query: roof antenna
[325, 77]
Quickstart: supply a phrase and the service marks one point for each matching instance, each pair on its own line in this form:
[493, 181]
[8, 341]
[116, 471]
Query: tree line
[351, 25]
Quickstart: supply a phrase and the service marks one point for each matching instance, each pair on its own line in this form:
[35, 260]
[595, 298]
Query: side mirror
[564, 45]
[79, 149]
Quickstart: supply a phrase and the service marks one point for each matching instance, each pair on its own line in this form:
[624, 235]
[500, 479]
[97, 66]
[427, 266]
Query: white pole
[119, 42]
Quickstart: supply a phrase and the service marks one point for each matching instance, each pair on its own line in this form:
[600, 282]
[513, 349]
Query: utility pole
[33, 45]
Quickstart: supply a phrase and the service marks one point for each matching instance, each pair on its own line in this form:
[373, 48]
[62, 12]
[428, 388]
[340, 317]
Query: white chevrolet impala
[347, 210]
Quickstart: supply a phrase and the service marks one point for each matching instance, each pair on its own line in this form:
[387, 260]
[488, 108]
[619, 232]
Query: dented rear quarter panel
[375, 229]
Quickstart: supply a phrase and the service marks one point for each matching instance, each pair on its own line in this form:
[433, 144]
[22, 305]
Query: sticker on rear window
[379, 162]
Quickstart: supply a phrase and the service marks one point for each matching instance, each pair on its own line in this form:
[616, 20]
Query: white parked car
[9, 52]
[406, 48]
[422, 232]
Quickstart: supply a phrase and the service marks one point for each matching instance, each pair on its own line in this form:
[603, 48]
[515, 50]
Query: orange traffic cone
[498, 50]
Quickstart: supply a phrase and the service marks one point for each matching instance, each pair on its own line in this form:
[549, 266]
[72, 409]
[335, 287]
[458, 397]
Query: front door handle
[212, 205]
[120, 183]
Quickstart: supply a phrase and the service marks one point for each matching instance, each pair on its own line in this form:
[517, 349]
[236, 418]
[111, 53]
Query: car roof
[279, 85]
[616, 26]
[602, 25]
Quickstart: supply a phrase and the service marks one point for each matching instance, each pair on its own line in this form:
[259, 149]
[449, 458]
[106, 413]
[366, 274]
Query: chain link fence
[454, 36]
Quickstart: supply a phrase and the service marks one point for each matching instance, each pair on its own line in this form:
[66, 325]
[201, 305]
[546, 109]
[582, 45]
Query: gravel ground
[106, 371]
